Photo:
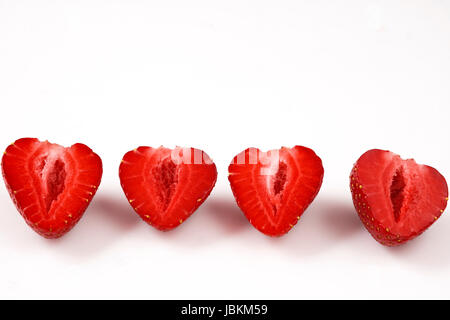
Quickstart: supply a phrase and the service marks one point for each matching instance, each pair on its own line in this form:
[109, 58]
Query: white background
[340, 77]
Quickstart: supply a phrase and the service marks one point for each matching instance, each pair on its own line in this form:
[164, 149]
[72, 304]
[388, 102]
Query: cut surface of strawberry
[396, 199]
[165, 186]
[274, 188]
[50, 185]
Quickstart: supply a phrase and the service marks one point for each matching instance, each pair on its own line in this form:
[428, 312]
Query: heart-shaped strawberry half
[274, 188]
[396, 199]
[50, 185]
[165, 186]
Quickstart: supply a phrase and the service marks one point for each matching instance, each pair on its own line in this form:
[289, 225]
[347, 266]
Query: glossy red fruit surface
[50, 185]
[396, 199]
[166, 186]
[274, 188]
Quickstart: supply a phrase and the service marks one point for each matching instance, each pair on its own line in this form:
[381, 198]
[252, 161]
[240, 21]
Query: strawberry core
[166, 178]
[276, 184]
[280, 178]
[397, 192]
[53, 176]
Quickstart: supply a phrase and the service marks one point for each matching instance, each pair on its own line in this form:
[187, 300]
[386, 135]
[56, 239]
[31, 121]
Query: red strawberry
[50, 185]
[396, 199]
[274, 188]
[166, 186]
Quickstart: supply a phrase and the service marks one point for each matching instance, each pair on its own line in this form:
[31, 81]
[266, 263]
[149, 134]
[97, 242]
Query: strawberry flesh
[50, 185]
[396, 199]
[166, 186]
[274, 188]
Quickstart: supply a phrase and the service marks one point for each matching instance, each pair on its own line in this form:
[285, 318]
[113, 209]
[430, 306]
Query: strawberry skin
[166, 186]
[274, 188]
[50, 185]
[396, 199]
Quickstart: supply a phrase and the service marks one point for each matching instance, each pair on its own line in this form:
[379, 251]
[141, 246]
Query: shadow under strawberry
[426, 254]
[110, 218]
[218, 219]
[227, 214]
[327, 222]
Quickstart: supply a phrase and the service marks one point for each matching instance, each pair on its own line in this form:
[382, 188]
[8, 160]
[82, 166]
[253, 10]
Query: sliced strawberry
[50, 185]
[396, 199]
[166, 186]
[274, 188]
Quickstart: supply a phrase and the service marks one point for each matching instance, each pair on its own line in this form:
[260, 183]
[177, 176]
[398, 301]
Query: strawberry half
[50, 185]
[396, 199]
[166, 186]
[274, 188]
